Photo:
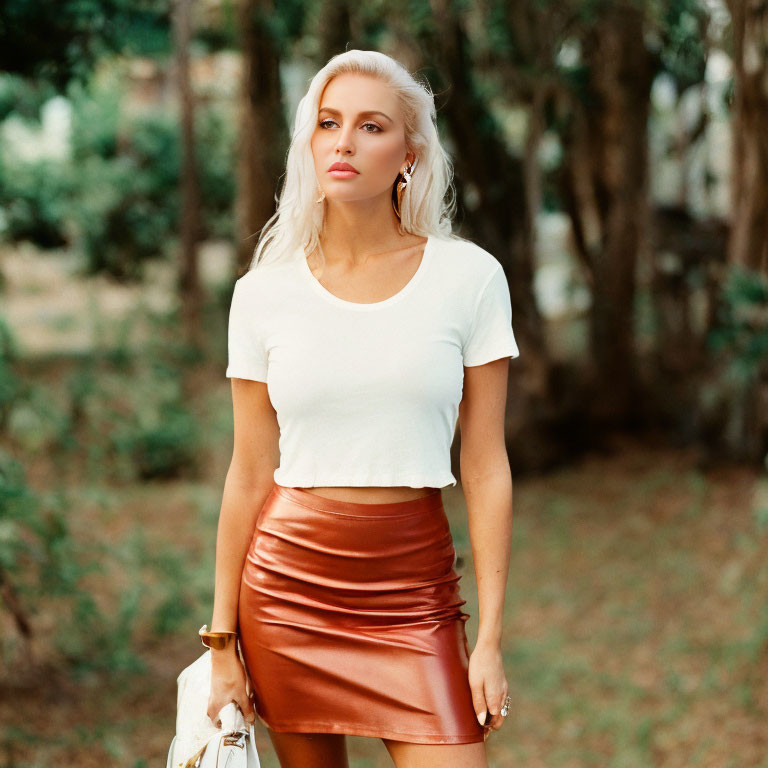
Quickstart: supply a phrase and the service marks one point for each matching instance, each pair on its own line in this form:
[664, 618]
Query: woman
[362, 332]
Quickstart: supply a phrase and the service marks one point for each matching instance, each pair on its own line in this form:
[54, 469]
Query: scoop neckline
[321, 290]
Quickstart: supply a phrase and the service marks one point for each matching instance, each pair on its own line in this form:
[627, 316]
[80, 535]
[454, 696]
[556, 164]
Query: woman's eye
[322, 124]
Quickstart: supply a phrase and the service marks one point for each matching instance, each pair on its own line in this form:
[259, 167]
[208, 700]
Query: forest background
[611, 154]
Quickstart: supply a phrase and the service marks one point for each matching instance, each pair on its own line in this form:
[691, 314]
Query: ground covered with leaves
[636, 623]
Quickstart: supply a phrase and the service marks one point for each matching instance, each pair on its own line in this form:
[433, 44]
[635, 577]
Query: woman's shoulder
[264, 278]
[465, 259]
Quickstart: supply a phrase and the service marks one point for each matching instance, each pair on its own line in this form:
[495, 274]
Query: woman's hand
[228, 683]
[488, 684]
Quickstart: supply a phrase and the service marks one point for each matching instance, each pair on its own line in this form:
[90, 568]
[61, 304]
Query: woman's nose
[344, 144]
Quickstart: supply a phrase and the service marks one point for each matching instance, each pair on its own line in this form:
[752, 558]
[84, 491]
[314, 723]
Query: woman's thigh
[407, 755]
[310, 750]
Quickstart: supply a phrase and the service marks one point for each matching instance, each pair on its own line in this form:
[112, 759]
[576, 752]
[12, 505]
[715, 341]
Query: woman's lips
[343, 174]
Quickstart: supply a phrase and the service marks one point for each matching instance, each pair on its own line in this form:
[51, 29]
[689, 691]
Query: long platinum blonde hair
[429, 199]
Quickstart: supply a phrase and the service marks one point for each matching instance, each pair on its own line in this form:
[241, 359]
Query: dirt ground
[635, 632]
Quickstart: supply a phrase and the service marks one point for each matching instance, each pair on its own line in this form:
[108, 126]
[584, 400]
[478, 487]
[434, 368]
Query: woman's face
[359, 122]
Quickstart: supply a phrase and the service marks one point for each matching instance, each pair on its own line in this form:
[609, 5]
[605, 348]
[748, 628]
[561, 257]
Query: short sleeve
[491, 336]
[246, 349]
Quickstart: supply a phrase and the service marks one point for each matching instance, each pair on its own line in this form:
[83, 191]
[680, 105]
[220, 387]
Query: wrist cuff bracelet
[218, 641]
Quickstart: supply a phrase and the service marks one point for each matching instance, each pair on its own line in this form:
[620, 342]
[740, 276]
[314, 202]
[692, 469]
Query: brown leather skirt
[350, 620]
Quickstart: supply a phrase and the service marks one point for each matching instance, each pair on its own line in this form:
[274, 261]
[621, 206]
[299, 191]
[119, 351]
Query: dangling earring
[322, 197]
[400, 189]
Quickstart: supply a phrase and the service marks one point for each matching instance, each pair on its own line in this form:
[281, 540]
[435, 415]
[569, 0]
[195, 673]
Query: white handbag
[198, 743]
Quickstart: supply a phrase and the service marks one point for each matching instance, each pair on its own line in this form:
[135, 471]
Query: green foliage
[34, 201]
[16, 503]
[56, 552]
[38, 556]
[10, 385]
[127, 203]
[682, 48]
[216, 131]
[739, 340]
[126, 207]
[125, 172]
[117, 198]
[60, 41]
[101, 429]
[742, 330]
[23, 97]
[141, 432]
[162, 442]
[45, 565]
[77, 580]
[96, 117]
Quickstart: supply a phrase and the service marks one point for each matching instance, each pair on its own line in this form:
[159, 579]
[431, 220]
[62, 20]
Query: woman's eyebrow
[361, 114]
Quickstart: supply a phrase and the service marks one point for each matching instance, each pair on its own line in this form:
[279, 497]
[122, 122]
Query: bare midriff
[370, 494]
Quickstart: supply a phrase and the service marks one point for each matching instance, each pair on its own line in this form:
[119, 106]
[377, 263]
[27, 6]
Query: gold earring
[400, 189]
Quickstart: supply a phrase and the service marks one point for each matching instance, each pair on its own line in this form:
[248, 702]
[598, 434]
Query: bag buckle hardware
[235, 739]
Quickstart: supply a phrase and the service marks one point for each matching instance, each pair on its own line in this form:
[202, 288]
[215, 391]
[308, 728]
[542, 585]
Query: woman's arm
[255, 457]
[486, 480]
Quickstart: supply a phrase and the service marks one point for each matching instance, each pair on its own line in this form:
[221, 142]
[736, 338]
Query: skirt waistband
[432, 501]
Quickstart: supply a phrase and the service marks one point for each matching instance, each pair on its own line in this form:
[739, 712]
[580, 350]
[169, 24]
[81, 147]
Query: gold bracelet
[218, 641]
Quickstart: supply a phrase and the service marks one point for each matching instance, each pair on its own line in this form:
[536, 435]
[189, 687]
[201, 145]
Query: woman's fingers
[246, 707]
[495, 697]
[492, 698]
[243, 702]
[478, 702]
[489, 689]
[213, 712]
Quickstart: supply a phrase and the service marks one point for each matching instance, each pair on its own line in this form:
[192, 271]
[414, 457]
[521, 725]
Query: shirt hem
[491, 356]
[388, 482]
[233, 373]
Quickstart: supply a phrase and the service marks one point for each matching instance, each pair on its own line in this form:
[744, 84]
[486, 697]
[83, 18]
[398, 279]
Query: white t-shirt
[368, 394]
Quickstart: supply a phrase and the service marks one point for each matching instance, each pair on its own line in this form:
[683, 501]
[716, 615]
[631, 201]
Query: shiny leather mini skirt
[350, 620]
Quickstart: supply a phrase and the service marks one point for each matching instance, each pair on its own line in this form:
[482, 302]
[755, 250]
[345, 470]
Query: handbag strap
[193, 761]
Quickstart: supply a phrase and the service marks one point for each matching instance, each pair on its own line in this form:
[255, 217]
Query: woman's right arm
[249, 480]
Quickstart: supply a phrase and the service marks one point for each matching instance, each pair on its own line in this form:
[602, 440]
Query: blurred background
[612, 154]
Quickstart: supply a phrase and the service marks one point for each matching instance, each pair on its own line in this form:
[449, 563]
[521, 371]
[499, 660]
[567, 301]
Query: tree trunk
[334, 31]
[263, 130]
[749, 231]
[495, 180]
[491, 183]
[618, 93]
[189, 224]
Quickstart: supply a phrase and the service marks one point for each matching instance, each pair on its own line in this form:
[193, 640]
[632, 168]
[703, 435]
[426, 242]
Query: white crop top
[368, 394]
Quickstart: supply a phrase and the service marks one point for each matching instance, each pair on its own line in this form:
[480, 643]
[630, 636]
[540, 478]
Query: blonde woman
[363, 331]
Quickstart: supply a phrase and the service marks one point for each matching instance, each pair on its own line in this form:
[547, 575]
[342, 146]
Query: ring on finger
[505, 707]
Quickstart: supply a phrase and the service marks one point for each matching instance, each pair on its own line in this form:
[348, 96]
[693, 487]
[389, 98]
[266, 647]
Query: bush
[34, 197]
[117, 198]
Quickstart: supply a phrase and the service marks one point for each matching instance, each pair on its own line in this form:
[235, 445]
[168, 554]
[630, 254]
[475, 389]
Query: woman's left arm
[486, 480]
